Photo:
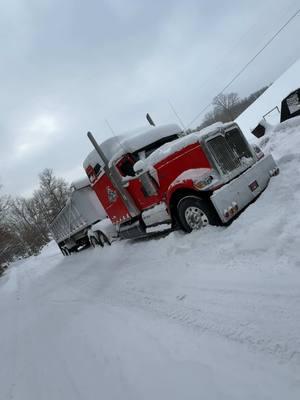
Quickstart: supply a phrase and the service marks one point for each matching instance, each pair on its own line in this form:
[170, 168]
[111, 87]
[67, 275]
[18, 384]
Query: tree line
[227, 107]
[24, 222]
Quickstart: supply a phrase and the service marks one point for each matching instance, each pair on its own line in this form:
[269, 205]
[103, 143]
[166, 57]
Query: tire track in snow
[216, 315]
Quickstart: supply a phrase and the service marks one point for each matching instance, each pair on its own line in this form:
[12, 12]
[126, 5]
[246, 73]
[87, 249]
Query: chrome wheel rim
[195, 217]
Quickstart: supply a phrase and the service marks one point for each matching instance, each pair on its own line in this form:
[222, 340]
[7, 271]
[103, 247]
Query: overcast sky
[66, 66]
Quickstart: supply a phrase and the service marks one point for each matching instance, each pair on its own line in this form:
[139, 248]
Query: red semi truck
[160, 178]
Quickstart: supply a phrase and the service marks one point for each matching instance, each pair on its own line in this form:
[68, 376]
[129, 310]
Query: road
[97, 326]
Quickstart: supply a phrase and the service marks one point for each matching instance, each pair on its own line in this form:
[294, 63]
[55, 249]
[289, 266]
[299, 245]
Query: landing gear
[100, 240]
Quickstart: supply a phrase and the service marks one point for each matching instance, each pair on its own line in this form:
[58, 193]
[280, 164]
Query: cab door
[143, 188]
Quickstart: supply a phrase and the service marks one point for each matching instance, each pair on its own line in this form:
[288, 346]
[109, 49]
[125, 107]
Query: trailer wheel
[103, 238]
[66, 252]
[95, 242]
[194, 214]
[62, 250]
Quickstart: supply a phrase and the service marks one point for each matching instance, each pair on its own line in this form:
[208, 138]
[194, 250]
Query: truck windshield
[125, 165]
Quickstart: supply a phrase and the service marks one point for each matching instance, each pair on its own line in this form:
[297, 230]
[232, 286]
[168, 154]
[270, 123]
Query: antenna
[177, 116]
[110, 127]
[115, 136]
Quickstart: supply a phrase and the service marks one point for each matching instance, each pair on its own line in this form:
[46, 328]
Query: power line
[177, 116]
[248, 63]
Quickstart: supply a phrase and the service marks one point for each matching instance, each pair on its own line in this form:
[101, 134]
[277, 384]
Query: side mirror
[259, 130]
[140, 167]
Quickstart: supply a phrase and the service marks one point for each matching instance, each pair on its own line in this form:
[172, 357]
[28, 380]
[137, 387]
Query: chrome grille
[230, 151]
[238, 144]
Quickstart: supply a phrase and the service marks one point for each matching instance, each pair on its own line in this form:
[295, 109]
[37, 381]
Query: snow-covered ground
[272, 97]
[210, 315]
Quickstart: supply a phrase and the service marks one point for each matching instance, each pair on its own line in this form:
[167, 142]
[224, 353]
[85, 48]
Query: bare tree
[226, 103]
[227, 107]
[52, 194]
[27, 224]
[7, 237]
[24, 222]
[3, 207]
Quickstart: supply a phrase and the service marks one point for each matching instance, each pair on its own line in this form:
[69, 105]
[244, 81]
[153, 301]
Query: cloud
[68, 66]
[36, 137]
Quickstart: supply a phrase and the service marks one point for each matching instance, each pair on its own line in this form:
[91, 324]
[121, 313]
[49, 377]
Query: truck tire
[195, 213]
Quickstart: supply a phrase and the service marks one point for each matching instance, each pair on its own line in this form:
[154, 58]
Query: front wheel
[194, 213]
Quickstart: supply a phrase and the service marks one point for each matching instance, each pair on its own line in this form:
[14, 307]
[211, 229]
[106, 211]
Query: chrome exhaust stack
[115, 178]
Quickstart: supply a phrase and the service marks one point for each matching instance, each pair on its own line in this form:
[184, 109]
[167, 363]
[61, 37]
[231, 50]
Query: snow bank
[271, 98]
[131, 141]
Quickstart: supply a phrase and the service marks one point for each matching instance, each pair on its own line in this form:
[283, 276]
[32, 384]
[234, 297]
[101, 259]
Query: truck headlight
[202, 183]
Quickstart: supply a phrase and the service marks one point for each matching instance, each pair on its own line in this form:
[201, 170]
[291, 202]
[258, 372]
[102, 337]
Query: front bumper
[237, 194]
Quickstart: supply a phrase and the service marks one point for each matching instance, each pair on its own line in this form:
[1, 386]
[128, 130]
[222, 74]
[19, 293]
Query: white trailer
[71, 226]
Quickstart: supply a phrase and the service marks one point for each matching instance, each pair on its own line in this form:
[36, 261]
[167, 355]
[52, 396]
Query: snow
[160, 207]
[80, 183]
[105, 226]
[158, 228]
[92, 159]
[143, 137]
[170, 148]
[131, 141]
[214, 127]
[210, 315]
[195, 175]
[156, 214]
[272, 97]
